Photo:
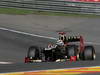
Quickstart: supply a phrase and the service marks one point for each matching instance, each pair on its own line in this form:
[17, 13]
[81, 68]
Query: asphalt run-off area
[18, 32]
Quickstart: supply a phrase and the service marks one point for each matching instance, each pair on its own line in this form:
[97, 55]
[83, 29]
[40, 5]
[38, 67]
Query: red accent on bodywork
[73, 58]
[27, 59]
[81, 44]
[62, 33]
[86, 0]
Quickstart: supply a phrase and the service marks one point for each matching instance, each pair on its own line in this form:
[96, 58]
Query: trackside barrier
[54, 6]
[87, 0]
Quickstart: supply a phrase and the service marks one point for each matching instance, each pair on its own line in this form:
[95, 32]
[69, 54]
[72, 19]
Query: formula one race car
[66, 48]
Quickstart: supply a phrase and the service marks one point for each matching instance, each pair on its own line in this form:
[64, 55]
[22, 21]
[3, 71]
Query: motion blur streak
[73, 71]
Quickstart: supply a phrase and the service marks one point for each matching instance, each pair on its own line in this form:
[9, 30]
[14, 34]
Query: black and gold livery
[53, 52]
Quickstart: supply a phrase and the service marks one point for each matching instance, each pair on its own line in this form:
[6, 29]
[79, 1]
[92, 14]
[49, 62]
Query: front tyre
[33, 52]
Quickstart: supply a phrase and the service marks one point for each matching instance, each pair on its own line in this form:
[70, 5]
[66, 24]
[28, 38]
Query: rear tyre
[71, 51]
[33, 52]
[89, 53]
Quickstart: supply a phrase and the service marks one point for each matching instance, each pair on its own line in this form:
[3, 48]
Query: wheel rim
[71, 52]
[32, 53]
[78, 56]
[94, 56]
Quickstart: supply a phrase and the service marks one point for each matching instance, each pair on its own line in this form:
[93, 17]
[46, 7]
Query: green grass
[25, 12]
[15, 11]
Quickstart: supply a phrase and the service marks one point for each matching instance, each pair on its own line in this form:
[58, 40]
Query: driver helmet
[60, 42]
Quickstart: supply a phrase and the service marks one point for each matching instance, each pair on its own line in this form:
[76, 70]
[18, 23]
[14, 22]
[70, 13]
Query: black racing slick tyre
[33, 52]
[71, 51]
[89, 53]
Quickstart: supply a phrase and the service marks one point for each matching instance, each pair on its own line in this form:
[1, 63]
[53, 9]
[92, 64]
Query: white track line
[6, 63]
[20, 32]
[94, 43]
[25, 33]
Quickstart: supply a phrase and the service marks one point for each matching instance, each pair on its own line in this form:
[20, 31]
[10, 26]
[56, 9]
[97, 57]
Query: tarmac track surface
[13, 47]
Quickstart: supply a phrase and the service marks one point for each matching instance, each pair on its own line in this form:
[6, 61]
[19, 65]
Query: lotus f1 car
[66, 48]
